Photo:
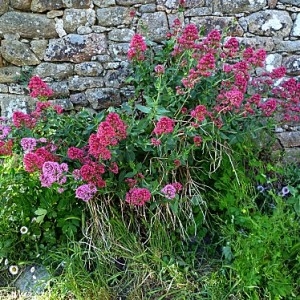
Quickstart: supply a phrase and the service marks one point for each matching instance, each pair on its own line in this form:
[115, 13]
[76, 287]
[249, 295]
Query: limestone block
[15, 88]
[104, 3]
[296, 27]
[118, 51]
[76, 48]
[39, 47]
[292, 64]
[54, 14]
[79, 99]
[77, 3]
[209, 23]
[272, 3]
[27, 25]
[287, 46]
[273, 61]
[84, 30]
[120, 35]
[4, 4]
[100, 98]
[197, 12]
[154, 25]
[270, 23]
[238, 6]
[82, 83]
[21, 4]
[60, 89]
[173, 4]
[18, 53]
[113, 16]
[56, 71]
[44, 5]
[132, 2]
[11, 103]
[9, 74]
[289, 139]
[73, 18]
[291, 2]
[266, 43]
[3, 88]
[291, 155]
[114, 78]
[147, 8]
[91, 68]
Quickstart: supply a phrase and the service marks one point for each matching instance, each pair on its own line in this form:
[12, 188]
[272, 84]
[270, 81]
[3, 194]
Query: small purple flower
[86, 192]
[260, 188]
[28, 144]
[76, 174]
[5, 131]
[169, 191]
[285, 190]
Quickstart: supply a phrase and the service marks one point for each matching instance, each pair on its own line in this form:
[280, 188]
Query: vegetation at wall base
[172, 195]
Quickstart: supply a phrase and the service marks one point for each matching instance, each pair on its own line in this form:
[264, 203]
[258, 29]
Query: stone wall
[79, 46]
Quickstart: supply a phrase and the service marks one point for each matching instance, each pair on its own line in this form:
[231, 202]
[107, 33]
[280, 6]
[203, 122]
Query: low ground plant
[150, 192]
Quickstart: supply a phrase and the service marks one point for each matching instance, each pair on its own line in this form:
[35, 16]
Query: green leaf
[143, 108]
[40, 213]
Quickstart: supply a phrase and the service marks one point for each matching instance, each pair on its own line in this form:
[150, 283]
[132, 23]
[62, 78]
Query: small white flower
[13, 270]
[32, 269]
[33, 277]
[24, 230]
[6, 262]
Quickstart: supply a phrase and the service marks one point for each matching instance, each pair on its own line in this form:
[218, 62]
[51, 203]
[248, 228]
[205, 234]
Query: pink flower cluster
[137, 48]
[138, 196]
[4, 131]
[164, 125]
[86, 192]
[6, 147]
[53, 172]
[21, 119]
[38, 88]
[171, 189]
[28, 144]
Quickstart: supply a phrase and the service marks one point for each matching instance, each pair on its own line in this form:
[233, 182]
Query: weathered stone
[266, 43]
[3, 88]
[273, 61]
[114, 78]
[79, 99]
[83, 83]
[60, 89]
[3, 6]
[57, 71]
[106, 3]
[15, 88]
[73, 18]
[156, 25]
[9, 74]
[174, 4]
[21, 4]
[272, 3]
[44, 5]
[198, 12]
[18, 53]
[28, 25]
[292, 64]
[208, 24]
[287, 46]
[11, 103]
[118, 51]
[238, 6]
[91, 68]
[77, 3]
[113, 16]
[54, 14]
[148, 8]
[120, 35]
[76, 48]
[270, 23]
[291, 155]
[289, 139]
[292, 2]
[39, 47]
[59, 27]
[84, 30]
[132, 2]
[66, 104]
[101, 98]
[296, 27]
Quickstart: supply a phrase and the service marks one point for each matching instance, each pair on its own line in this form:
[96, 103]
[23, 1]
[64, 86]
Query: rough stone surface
[10, 103]
[44, 5]
[57, 71]
[289, 139]
[296, 27]
[79, 99]
[60, 89]
[39, 47]
[292, 155]
[92, 68]
[107, 3]
[120, 35]
[27, 25]
[132, 2]
[291, 2]
[9, 74]
[156, 25]
[83, 83]
[101, 98]
[4, 4]
[208, 24]
[238, 6]
[54, 14]
[21, 4]
[270, 23]
[18, 53]
[287, 46]
[292, 64]
[76, 48]
[113, 16]
[73, 18]
[272, 3]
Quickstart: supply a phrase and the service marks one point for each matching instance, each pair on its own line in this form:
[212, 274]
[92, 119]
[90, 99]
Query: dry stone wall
[79, 46]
